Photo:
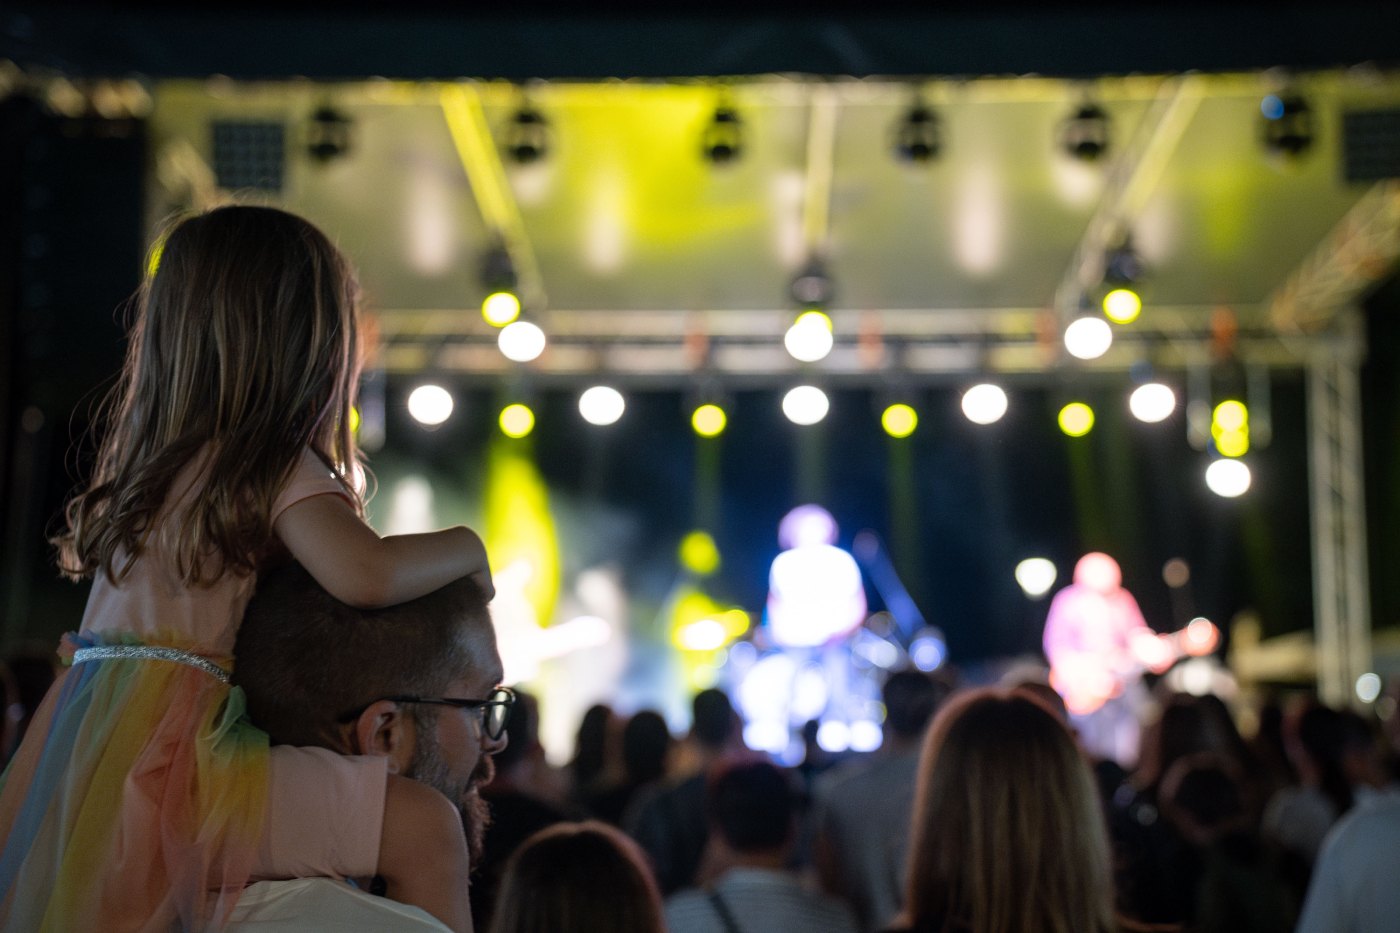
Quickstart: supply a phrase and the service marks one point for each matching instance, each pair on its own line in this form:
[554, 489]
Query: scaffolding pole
[1341, 595]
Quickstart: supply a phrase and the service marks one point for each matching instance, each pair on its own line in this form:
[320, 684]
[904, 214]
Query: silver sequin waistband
[145, 652]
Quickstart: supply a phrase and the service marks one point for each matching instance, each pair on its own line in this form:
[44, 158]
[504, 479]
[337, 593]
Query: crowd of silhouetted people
[979, 812]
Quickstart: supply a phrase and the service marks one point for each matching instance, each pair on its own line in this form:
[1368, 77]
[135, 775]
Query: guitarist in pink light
[1098, 644]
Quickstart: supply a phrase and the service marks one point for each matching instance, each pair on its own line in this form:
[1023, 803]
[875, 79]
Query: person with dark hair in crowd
[861, 809]
[1237, 885]
[578, 877]
[413, 686]
[1008, 832]
[752, 808]
[521, 804]
[668, 819]
[1154, 863]
[594, 749]
[1337, 764]
[646, 751]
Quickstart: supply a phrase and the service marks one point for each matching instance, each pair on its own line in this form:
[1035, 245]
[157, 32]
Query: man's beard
[430, 767]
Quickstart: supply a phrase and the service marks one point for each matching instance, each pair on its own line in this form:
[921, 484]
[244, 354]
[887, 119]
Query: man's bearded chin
[476, 815]
[429, 767]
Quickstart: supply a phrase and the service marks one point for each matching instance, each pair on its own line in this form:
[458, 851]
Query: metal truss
[1341, 595]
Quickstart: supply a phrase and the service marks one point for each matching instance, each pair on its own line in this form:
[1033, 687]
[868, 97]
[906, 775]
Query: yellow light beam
[821, 157]
[481, 161]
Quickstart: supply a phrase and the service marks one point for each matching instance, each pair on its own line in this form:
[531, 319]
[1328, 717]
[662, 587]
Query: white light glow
[1368, 687]
[834, 736]
[766, 736]
[1201, 636]
[807, 525]
[1036, 575]
[810, 693]
[808, 340]
[521, 341]
[1152, 402]
[430, 404]
[601, 405]
[431, 239]
[1088, 338]
[785, 195]
[1197, 676]
[605, 240]
[984, 403]
[1228, 478]
[866, 735]
[1077, 183]
[805, 405]
[927, 652]
[764, 693]
[883, 654]
[979, 221]
[702, 635]
[410, 507]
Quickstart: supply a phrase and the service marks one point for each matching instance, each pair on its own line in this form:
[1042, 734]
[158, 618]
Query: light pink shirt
[152, 603]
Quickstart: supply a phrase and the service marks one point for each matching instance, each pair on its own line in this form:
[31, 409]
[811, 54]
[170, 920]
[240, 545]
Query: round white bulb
[601, 405]
[805, 405]
[1368, 687]
[984, 403]
[430, 404]
[1152, 402]
[521, 341]
[1036, 575]
[1088, 338]
[1228, 478]
[808, 340]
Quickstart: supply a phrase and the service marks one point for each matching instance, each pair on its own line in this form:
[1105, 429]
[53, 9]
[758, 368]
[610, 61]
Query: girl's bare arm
[361, 569]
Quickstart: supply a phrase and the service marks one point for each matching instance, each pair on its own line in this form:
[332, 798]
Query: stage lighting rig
[811, 287]
[723, 139]
[527, 136]
[1122, 271]
[501, 305]
[328, 134]
[1084, 135]
[918, 136]
[1288, 124]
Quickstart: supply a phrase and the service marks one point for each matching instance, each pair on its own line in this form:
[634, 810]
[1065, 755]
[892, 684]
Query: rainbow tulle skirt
[135, 802]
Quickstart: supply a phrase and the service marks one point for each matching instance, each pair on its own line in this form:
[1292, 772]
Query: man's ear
[384, 729]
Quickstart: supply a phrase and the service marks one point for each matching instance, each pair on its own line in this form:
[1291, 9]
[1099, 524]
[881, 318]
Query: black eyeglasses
[495, 709]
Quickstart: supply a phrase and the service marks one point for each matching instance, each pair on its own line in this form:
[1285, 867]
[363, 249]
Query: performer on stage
[1098, 644]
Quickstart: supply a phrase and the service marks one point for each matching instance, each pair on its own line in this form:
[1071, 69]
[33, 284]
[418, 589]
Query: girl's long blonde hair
[244, 351]
[1008, 833]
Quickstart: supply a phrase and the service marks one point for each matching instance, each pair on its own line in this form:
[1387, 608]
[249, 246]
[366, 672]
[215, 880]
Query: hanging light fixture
[1084, 135]
[723, 139]
[1122, 274]
[328, 134]
[527, 136]
[1287, 124]
[811, 287]
[501, 305]
[918, 137]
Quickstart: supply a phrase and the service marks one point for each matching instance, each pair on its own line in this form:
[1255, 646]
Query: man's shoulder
[868, 775]
[284, 906]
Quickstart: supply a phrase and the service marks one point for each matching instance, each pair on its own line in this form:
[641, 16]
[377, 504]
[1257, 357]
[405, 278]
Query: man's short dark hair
[911, 698]
[646, 740]
[752, 805]
[712, 721]
[304, 658]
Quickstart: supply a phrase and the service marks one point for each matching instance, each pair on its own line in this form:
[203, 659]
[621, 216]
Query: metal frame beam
[1341, 594]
